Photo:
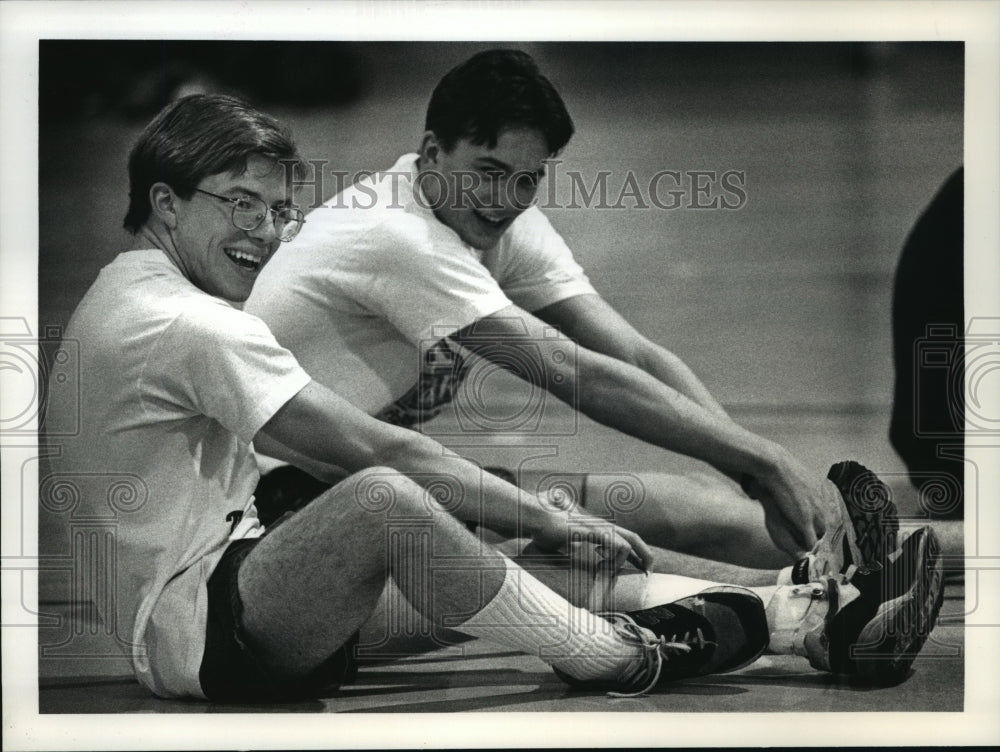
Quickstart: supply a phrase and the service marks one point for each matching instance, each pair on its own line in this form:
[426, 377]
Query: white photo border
[23, 24]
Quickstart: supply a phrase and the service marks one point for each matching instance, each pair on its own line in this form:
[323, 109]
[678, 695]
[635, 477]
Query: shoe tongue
[673, 622]
[800, 572]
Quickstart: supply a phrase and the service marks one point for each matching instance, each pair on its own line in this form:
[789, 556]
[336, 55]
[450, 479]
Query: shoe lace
[655, 650]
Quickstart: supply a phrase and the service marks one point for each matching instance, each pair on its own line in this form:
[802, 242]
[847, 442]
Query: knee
[359, 502]
[383, 492]
[380, 476]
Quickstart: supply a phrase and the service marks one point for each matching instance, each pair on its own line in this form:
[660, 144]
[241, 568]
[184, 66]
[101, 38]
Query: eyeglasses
[249, 213]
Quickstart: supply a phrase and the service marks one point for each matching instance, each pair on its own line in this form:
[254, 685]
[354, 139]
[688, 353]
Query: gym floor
[782, 306]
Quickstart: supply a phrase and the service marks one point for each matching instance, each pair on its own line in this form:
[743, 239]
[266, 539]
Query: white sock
[526, 615]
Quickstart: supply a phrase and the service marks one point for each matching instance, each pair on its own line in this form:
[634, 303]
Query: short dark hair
[195, 137]
[492, 91]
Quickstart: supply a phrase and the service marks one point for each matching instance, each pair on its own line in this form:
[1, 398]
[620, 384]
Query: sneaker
[865, 535]
[877, 623]
[720, 629]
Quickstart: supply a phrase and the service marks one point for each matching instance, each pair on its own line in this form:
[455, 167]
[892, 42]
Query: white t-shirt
[174, 385]
[374, 279]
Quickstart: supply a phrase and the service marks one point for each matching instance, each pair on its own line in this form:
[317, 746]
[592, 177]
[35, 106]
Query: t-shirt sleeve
[426, 287]
[223, 363]
[535, 267]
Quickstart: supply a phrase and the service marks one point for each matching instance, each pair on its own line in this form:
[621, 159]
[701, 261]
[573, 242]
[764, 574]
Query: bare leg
[700, 514]
[671, 562]
[550, 564]
[553, 567]
[309, 584]
[316, 578]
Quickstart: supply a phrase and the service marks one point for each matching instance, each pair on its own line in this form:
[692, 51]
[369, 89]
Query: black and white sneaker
[865, 535]
[877, 623]
[720, 629]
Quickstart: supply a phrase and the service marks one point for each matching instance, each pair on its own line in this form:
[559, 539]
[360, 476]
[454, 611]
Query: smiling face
[213, 254]
[478, 191]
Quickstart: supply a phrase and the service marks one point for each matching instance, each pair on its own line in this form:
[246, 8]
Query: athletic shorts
[230, 670]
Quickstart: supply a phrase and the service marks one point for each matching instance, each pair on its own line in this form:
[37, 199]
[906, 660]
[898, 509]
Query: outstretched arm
[318, 429]
[593, 323]
[623, 396]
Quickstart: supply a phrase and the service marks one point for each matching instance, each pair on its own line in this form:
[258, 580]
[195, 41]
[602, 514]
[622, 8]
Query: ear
[162, 201]
[429, 149]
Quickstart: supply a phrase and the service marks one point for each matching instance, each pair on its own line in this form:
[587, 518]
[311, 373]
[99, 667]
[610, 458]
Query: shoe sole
[874, 517]
[892, 639]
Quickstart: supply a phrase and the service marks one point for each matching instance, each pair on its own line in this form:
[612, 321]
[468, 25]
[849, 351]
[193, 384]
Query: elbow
[383, 449]
[644, 355]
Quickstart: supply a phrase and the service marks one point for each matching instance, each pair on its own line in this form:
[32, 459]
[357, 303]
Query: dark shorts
[230, 670]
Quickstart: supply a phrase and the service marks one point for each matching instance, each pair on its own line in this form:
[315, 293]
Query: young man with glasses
[178, 387]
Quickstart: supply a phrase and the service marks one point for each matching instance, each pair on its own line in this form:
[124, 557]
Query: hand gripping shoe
[876, 624]
[865, 534]
[718, 630]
